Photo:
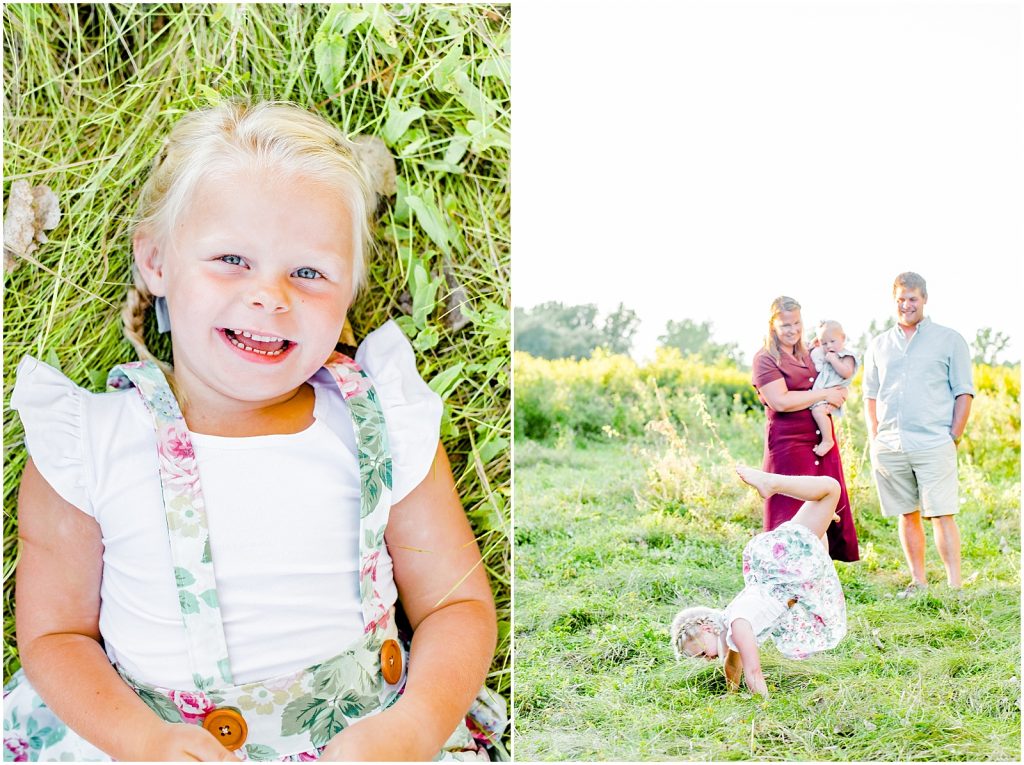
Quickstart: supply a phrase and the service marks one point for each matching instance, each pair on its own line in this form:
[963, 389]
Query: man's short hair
[911, 281]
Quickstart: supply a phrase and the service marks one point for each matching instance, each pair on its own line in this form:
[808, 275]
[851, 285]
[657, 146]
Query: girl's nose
[269, 299]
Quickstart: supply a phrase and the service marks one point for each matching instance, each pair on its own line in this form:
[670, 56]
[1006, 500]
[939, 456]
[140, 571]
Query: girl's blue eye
[232, 260]
[308, 273]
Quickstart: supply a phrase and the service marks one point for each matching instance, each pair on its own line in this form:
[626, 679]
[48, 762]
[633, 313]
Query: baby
[836, 366]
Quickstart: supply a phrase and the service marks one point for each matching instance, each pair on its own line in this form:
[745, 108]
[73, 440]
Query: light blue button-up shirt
[915, 381]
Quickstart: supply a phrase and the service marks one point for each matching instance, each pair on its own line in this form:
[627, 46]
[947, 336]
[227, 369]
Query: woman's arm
[446, 595]
[58, 601]
[750, 656]
[782, 399]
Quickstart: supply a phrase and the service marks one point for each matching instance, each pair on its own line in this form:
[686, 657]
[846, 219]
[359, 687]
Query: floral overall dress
[791, 563]
[290, 717]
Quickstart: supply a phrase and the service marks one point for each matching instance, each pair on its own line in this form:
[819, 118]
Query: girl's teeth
[245, 347]
[261, 338]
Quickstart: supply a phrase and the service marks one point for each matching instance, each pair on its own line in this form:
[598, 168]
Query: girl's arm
[58, 601]
[733, 669]
[782, 399]
[444, 590]
[750, 656]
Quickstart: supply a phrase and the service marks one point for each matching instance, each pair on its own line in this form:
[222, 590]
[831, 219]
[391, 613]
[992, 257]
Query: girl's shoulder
[412, 410]
[66, 425]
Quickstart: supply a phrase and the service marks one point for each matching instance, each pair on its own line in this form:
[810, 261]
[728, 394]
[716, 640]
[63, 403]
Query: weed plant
[90, 92]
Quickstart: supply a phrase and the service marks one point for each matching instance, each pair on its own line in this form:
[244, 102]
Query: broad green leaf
[382, 24]
[479, 105]
[429, 218]
[210, 598]
[329, 55]
[50, 357]
[399, 121]
[426, 339]
[484, 137]
[445, 382]
[444, 73]
[456, 149]
[491, 449]
[424, 290]
[211, 95]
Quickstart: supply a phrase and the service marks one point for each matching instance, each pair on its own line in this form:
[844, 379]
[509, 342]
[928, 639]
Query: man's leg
[947, 542]
[912, 539]
[936, 471]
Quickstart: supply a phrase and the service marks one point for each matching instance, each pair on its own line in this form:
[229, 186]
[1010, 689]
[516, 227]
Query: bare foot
[756, 478]
[824, 447]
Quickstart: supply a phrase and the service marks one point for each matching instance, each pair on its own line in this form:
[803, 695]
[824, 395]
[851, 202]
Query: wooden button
[227, 726]
[391, 662]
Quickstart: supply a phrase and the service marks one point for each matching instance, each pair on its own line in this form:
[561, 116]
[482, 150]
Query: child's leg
[819, 492]
[824, 423]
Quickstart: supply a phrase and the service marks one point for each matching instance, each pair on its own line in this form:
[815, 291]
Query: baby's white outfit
[283, 513]
[828, 377]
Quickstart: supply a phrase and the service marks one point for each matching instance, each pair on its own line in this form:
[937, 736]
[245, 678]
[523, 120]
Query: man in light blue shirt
[917, 398]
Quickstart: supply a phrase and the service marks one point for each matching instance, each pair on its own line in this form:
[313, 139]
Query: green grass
[603, 563]
[90, 91]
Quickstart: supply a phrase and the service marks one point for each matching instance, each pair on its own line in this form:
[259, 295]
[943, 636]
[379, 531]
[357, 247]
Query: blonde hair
[690, 621]
[912, 281]
[771, 340]
[830, 324]
[273, 136]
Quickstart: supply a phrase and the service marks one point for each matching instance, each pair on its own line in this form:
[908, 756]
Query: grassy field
[90, 91]
[611, 540]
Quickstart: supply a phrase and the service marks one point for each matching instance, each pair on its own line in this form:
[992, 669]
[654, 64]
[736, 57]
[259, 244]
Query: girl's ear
[149, 260]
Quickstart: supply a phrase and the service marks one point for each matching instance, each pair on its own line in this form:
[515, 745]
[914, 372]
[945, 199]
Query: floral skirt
[793, 564]
[32, 732]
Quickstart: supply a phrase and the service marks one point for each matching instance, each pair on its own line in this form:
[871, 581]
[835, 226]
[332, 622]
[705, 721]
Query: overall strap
[374, 455]
[188, 532]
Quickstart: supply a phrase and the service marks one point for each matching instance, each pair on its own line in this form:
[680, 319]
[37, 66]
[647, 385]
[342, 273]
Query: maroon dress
[792, 437]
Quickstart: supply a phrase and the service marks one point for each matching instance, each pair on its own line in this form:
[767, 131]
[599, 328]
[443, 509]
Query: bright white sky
[697, 159]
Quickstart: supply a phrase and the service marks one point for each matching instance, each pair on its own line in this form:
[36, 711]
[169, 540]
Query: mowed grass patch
[601, 570]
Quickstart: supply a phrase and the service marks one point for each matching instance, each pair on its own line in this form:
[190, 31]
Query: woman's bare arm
[782, 399]
[58, 600]
[446, 595]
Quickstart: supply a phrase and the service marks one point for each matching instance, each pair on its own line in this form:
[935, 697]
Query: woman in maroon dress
[783, 375]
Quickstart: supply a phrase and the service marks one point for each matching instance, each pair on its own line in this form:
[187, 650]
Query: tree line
[554, 330]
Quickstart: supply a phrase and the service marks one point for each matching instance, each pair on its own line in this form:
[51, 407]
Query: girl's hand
[387, 737]
[178, 742]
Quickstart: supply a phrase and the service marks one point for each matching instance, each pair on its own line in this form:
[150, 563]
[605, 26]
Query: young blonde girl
[211, 561]
[792, 594]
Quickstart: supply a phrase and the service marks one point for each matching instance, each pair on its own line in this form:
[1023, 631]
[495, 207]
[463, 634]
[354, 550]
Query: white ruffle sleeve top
[283, 512]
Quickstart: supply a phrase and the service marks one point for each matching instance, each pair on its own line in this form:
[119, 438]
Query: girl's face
[258, 278]
[704, 646]
[788, 328]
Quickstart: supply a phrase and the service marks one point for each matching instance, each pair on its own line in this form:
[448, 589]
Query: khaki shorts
[925, 479]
